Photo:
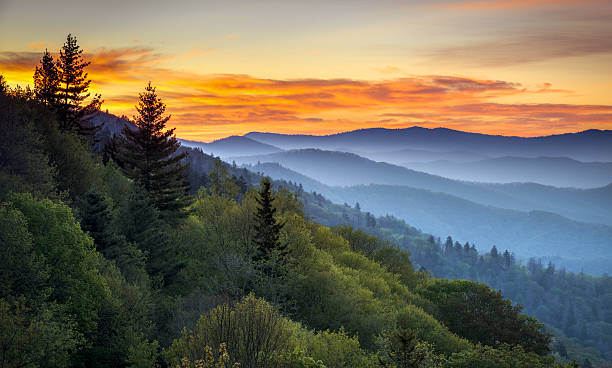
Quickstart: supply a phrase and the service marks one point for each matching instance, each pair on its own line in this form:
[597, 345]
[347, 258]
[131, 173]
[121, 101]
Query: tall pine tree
[267, 228]
[46, 81]
[73, 113]
[148, 155]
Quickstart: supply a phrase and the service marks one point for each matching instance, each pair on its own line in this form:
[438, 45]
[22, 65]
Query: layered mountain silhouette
[589, 145]
[573, 244]
[556, 171]
[233, 146]
[346, 169]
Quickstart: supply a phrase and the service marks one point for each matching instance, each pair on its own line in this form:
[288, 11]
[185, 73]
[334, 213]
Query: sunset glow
[545, 70]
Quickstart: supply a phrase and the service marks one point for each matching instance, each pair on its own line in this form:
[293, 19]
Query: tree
[267, 228]
[46, 81]
[402, 348]
[482, 315]
[253, 330]
[24, 161]
[96, 219]
[147, 155]
[73, 114]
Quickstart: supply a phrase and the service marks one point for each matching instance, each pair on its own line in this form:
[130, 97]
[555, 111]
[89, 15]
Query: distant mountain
[589, 145]
[420, 156]
[556, 171]
[111, 125]
[572, 244]
[277, 171]
[533, 233]
[346, 169]
[232, 146]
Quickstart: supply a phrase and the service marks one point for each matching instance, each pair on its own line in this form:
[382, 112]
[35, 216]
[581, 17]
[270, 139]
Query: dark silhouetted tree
[72, 111]
[147, 155]
[46, 81]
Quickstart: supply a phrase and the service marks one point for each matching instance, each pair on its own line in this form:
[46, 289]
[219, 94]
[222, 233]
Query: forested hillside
[575, 245]
[116, 259]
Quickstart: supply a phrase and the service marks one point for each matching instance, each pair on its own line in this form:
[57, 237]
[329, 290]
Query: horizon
[383, 128]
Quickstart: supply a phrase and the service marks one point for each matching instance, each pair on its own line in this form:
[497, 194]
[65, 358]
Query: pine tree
[73, 114]
[148, 156]
[96, 219]
[402, 348]
[267, 228]
[46, 81]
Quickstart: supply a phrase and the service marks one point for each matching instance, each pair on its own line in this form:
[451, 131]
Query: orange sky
[354, 69]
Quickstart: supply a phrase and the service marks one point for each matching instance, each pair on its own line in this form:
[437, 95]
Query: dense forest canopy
[111, 258]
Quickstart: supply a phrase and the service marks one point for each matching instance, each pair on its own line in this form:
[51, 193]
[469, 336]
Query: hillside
[232, 146]
[576, 245]
[346, 169]
[554, 171]
[421, 156]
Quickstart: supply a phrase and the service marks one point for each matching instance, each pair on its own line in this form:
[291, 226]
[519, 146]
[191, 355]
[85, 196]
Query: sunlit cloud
[528, 47]
[37, 46]
[211, 106]
[509, 4]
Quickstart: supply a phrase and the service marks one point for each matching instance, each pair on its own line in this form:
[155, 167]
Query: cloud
[528, 47]
[509, 4]
[37, 46]
[216, 105]
[388, 69]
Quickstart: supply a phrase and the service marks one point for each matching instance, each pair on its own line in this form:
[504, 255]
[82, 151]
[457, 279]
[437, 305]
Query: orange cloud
[207, 107]
[37, 46]
[510, 4]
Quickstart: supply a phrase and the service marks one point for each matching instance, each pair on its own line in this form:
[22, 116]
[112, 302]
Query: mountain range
[572, 244]
[589, 145]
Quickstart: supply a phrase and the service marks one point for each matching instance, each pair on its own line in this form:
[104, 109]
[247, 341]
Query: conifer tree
[148, 156]
[96, 219]
[46, 81]
[267, 228]
[72, 111]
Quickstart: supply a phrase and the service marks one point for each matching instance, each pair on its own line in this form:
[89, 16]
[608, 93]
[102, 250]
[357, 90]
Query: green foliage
[75, 280]
[211, 360]
[24, 163]
[297, 359]
[504, 356]
[140, 224]
[270, 253]
[143, 355]
[23, 271]
[35, 338]
[253, 330]
[482, 315]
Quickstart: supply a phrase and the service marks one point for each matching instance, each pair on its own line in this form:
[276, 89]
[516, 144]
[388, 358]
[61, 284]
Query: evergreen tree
[46, 81]
[73, 114]
[96, 218]
[141, 225]
[267, 228]
[402, 348]
[147, 155]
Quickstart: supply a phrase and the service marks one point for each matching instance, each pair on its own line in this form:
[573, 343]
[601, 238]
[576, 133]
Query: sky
[228, 67]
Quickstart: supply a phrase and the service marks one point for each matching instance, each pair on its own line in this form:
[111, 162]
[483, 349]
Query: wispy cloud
[532, 46]
[213, 106]
[509, 4]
